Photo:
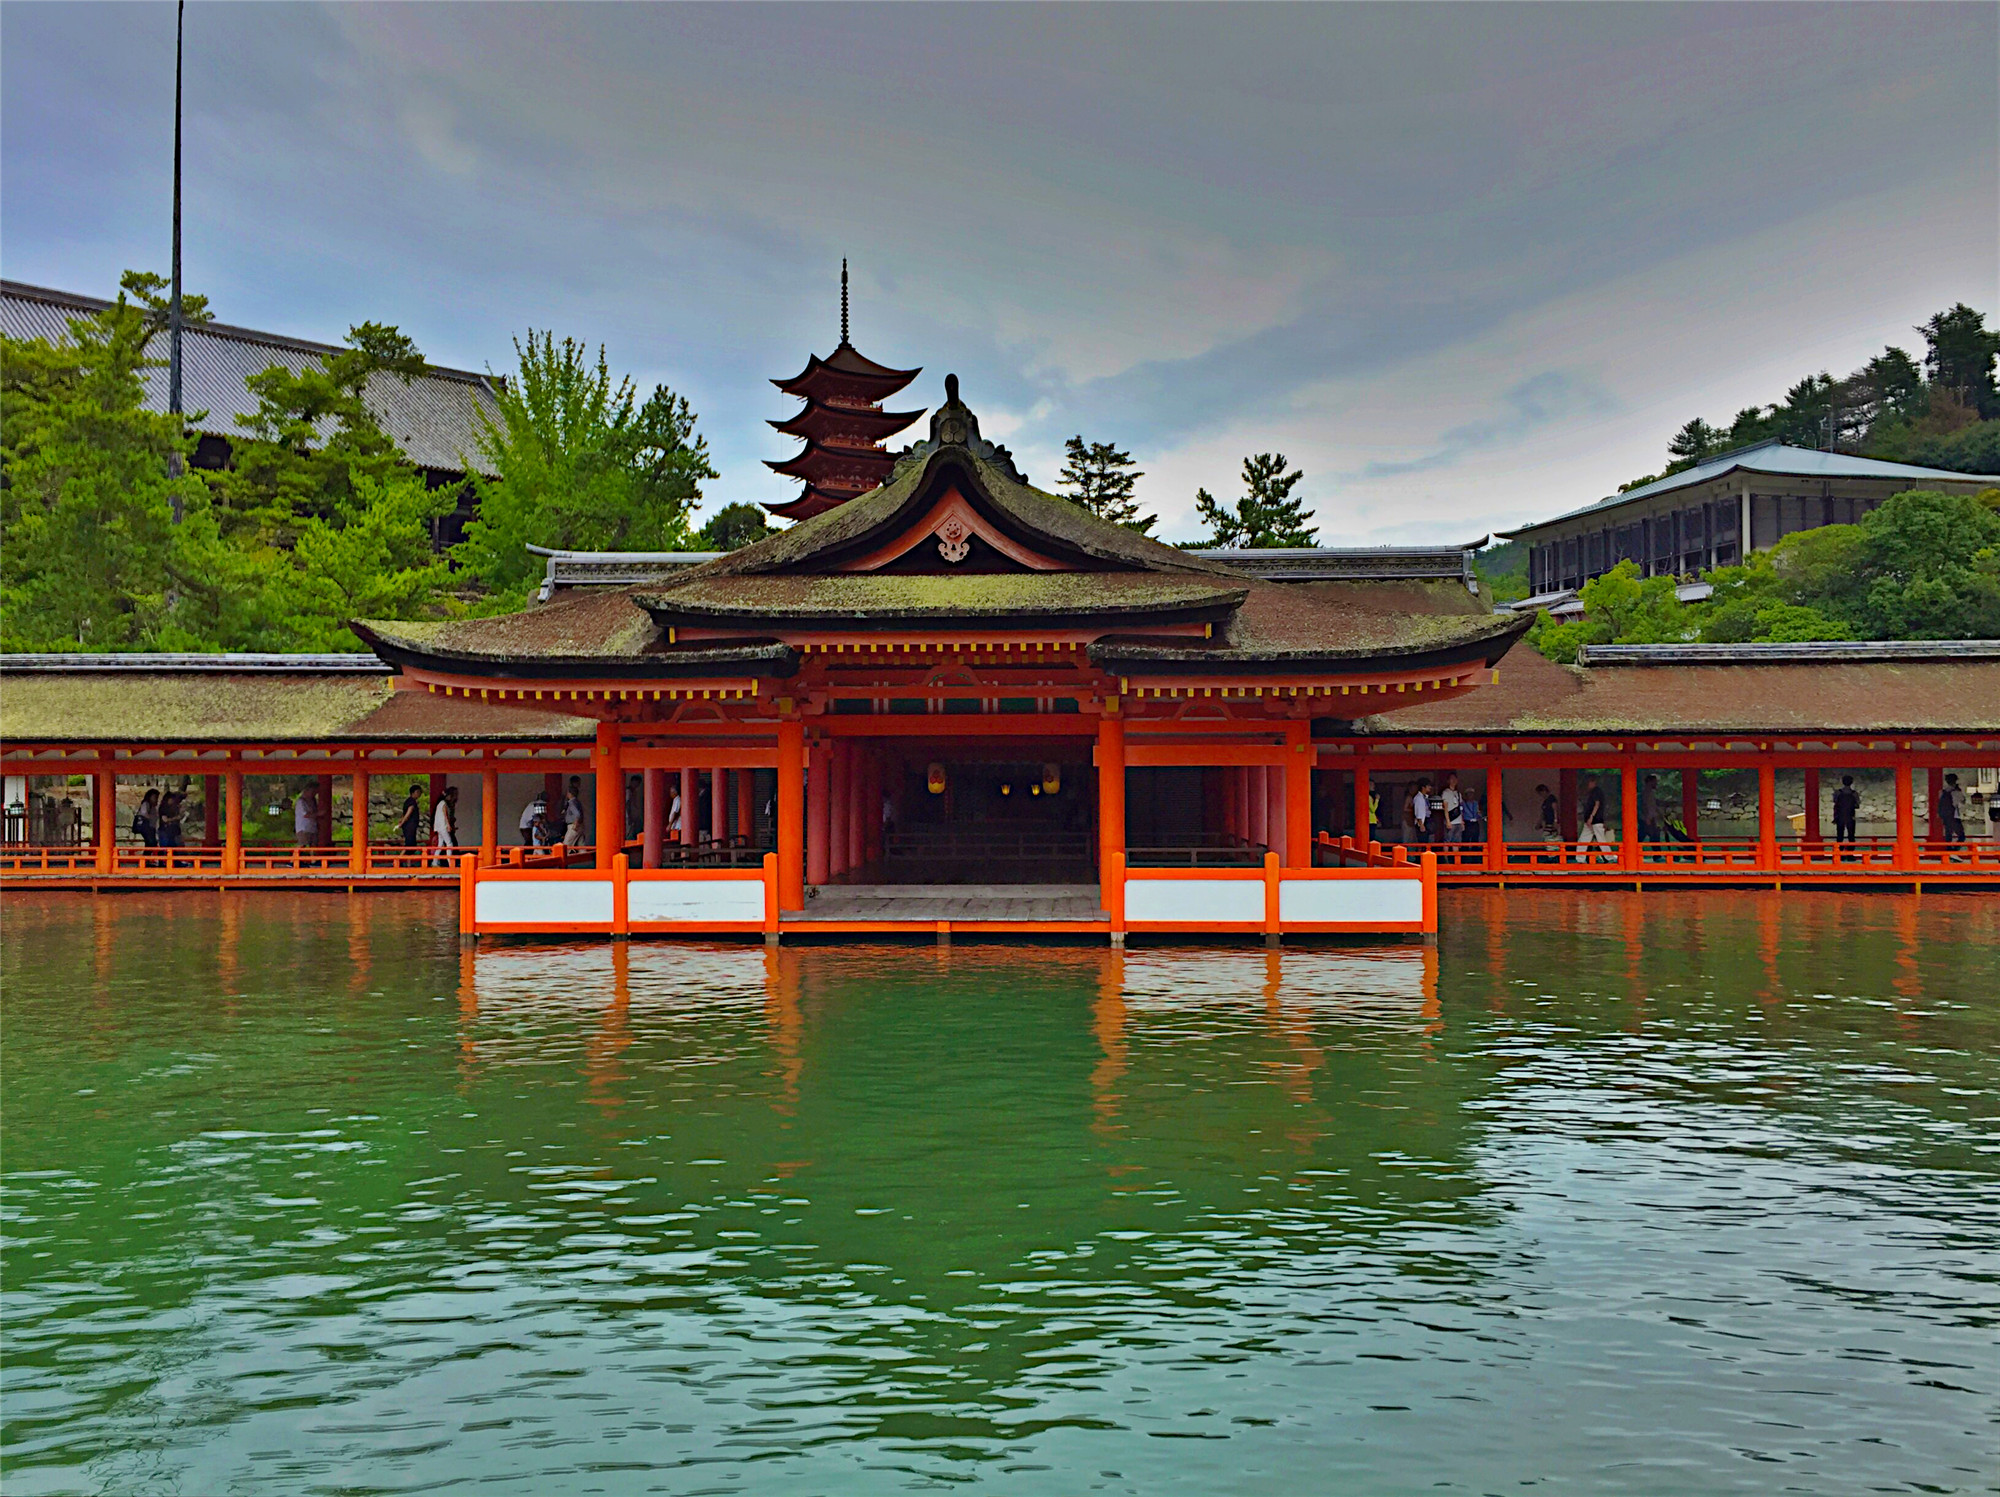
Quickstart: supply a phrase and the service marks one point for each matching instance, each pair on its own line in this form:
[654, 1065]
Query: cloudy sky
[1465, 265]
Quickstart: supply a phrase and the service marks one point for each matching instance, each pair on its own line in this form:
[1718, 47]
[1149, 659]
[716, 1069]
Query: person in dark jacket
[1846, 809]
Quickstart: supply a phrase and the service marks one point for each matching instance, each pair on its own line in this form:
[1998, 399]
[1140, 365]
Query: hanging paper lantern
[935, 778]
[1052, 779]
[1006, 788]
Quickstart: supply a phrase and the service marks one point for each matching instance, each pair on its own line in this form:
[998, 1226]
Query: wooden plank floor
[951, 902]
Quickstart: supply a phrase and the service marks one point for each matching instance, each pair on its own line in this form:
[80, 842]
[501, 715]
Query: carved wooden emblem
[954, 539]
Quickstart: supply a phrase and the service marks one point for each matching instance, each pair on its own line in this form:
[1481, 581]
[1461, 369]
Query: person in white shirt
[444, 824]
[305, 817]
[1420, 810]
[536, 808]
[1453, 806]
[573, 813]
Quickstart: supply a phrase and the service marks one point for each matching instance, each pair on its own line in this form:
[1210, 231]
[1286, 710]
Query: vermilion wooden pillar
[1237, 778]
[1362, 830]
[1935, 832]
[489, 815]
[690, 828]
[1566, 806]
[1906, 814]
[1298, 795]
[718, 805]
[325, 793]
[1110, 805]
[1691, 803]
[1812, 806]
[211, 810]
[1628, 814]
[653, 819]
[610, 774]
[1494, 809]
[819, 817]
[232, 822]
[1767, 813]
[839, 801]
[857, 805]
[357, 857]
[791, 809]
[104, 816]
[871, 809]
[1259, 779]
[746, 806]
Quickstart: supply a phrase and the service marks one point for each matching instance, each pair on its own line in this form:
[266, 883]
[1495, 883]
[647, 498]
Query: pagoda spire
[843, 424]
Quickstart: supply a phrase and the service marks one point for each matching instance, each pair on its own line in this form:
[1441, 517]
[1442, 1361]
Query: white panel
[543, 902]
[1358, 901]
[697, 901]
[1194, 899]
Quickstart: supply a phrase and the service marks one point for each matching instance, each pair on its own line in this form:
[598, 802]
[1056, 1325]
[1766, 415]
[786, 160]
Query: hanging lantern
[1052, 779]
[1006, 787]
[1034, 790]
[935, 778]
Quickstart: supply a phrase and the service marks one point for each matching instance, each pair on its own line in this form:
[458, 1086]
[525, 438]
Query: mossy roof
[1338, 625]
[1536, 696]
[599, 633]
[891, 598]
[168, 706]
[875, 516]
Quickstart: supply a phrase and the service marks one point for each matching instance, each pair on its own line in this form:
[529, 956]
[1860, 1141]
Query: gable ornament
[954, 539]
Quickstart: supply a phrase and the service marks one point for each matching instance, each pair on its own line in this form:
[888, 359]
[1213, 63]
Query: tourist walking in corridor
[1590, 820]
[1846, 809]
[305, 817]
[573, 814]
[444, 824]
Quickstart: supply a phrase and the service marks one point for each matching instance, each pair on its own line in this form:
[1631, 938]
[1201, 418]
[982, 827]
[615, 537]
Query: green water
[1604, 1194]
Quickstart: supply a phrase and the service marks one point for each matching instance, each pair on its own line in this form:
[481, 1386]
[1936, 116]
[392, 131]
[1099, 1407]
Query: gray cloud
[1165, 226]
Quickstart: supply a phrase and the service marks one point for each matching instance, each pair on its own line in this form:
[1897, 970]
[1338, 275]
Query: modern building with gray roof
[433, 417]
[1719, 511]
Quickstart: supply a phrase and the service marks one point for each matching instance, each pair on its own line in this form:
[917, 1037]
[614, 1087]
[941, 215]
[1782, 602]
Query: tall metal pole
[174, 307]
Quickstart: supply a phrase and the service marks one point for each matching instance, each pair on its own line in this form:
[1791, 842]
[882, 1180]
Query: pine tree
[1961, 356]
[90, 555]
[321, 495]
[1696, 441]
[1266, 517]
[1100, 478]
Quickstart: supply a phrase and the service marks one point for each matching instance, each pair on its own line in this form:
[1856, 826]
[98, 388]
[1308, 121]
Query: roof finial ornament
[843, 298]
[951, 389]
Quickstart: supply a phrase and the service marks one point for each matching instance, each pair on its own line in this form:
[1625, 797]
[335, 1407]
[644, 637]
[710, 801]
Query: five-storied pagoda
[843, 424]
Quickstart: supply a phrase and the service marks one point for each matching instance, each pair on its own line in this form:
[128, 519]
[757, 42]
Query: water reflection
[302, 1197]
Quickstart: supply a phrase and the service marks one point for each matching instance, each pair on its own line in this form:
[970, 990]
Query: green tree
[320, 494]
[1961, 356]
[577, 462]
[1696, 441]
[90, 555]
[1266, 517]
[1897, 383]
[1100, 478]
[733, 527]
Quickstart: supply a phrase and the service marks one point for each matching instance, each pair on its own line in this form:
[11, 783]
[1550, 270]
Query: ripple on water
[1637, 1195]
